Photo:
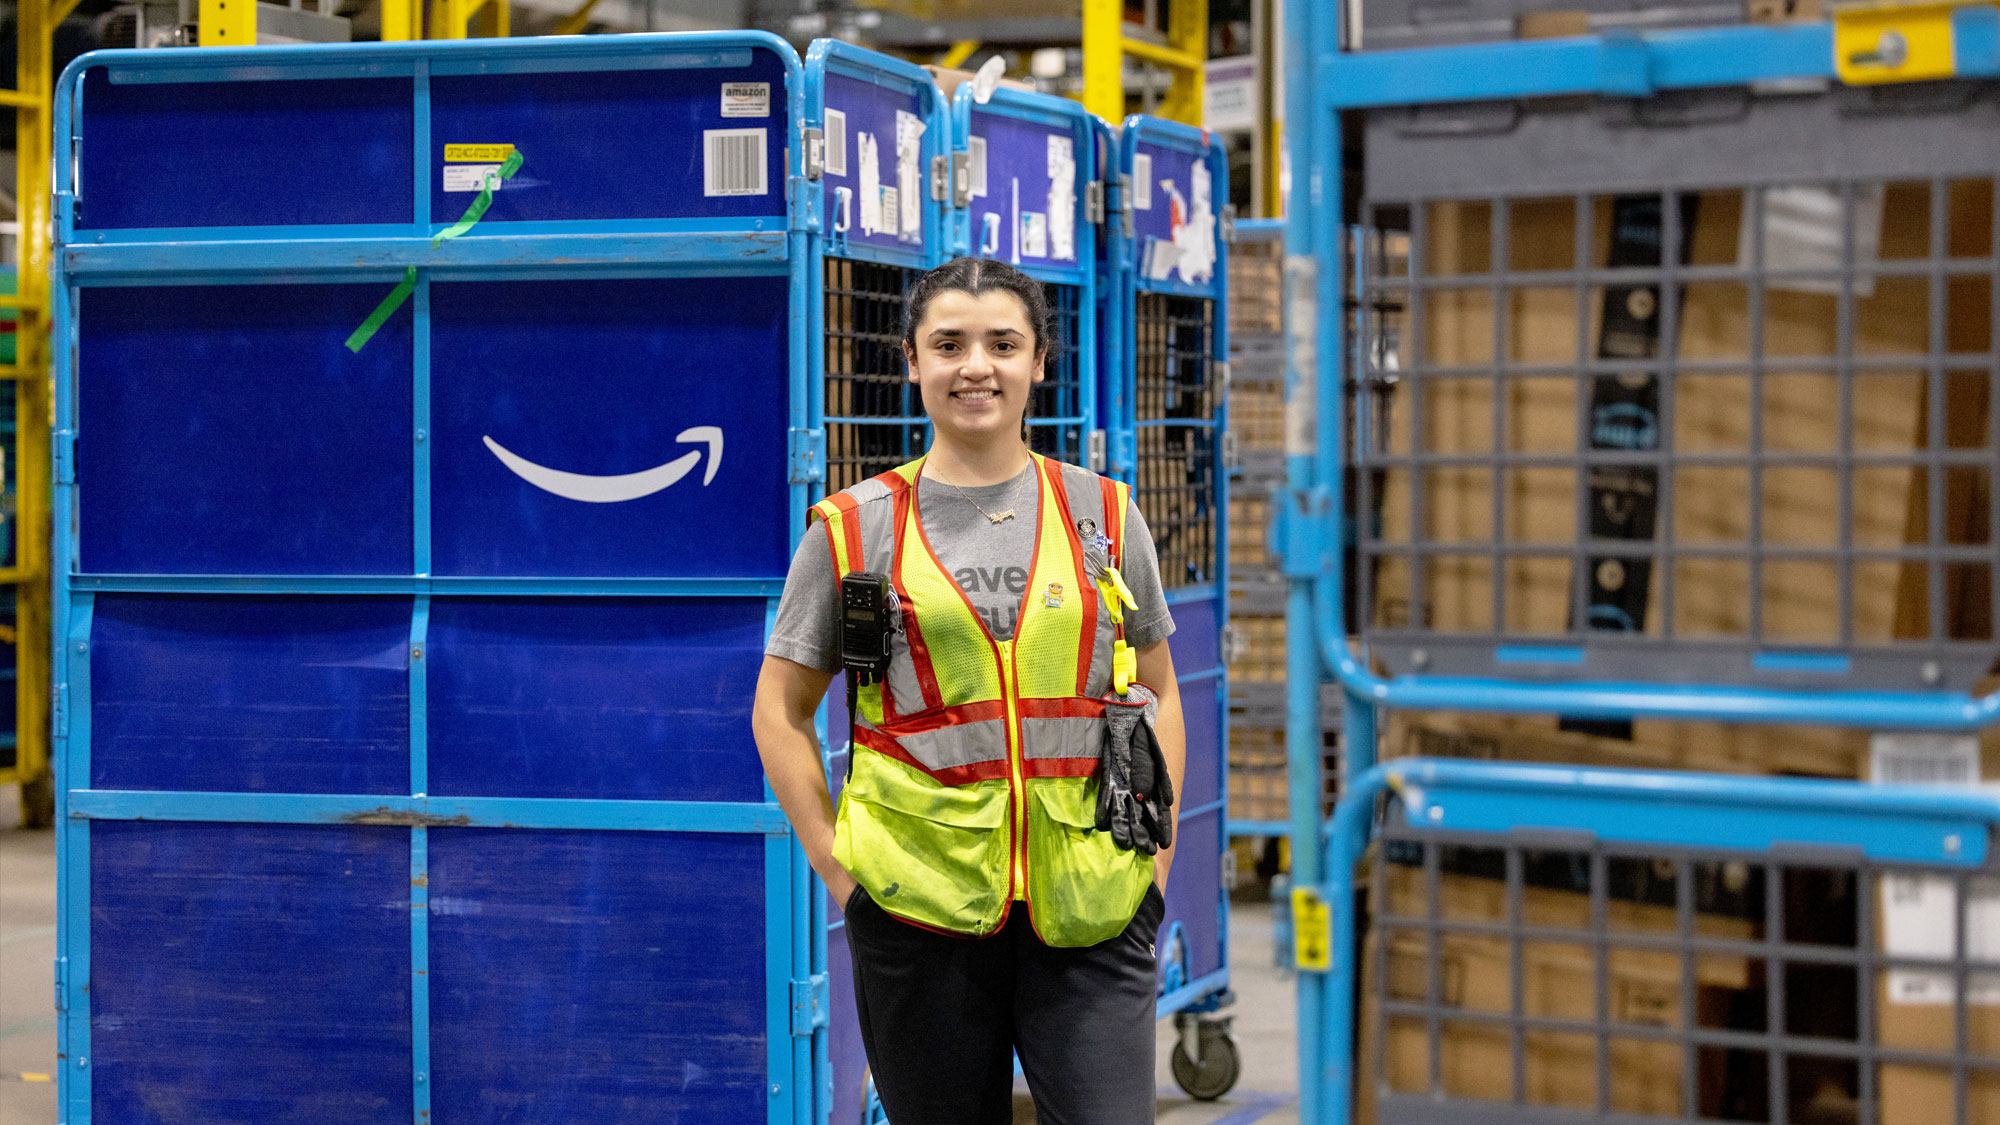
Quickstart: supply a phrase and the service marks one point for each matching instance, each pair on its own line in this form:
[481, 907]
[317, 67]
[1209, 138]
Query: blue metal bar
[778, 911]
[436, 812]
[441, 586]
[420, 976]
[1191, 992]
[73, 907]
[749, 250]
[678, 50]
[1241, 828]
[1621, 65]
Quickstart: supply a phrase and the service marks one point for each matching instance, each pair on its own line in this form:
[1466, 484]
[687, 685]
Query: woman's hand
[839, 884]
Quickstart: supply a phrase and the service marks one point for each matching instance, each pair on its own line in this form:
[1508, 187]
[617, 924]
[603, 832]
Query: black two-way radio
[864, 626]
[865, 605]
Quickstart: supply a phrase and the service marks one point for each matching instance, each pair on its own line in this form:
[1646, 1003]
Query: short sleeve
[807, 630]
[1151, 622]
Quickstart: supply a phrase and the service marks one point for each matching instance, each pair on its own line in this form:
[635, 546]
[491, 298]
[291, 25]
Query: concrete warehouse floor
[1264, 1006]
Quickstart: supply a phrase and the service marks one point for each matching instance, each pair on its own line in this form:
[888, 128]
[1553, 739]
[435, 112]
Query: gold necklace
[995, 518]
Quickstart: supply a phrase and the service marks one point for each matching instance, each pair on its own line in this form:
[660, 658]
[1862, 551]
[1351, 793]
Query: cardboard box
[949, 79]
[1558, 981]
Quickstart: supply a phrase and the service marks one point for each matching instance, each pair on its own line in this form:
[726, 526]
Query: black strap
[853, 722]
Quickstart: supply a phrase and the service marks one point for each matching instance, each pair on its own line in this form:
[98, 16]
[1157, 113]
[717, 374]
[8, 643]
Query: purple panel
[1173, 194]
[1019, 182]
[1194, 892]
[871, 109]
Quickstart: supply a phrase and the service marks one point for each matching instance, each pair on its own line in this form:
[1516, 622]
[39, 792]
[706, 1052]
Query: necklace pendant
[1000, 517]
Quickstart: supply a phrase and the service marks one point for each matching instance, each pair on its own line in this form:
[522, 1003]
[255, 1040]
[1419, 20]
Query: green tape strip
[384, 310]
[479, 204]
[405, 287]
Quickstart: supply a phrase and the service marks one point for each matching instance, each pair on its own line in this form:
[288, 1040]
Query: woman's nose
[978, 361]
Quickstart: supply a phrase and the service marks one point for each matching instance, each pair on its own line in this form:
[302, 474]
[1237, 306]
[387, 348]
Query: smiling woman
[1019, 597]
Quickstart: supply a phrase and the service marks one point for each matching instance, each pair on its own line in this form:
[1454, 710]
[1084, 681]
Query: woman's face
[974, 360]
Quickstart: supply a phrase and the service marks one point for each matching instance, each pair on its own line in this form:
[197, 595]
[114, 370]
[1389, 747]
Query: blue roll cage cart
[381, 793]
[1171, 237]
[1605, 816]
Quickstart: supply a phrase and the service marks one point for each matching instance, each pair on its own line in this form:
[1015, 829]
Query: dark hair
[979, 276]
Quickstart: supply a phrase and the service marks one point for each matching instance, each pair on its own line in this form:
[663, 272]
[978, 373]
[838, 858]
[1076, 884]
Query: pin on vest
[1053, 596]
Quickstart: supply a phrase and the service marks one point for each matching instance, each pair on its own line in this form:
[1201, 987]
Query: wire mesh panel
[1749, 422]
[874, 415]
[1173, 346]
[1055, 407]
[1535, 981]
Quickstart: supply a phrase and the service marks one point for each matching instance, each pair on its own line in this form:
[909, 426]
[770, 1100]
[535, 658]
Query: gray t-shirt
[989, 561]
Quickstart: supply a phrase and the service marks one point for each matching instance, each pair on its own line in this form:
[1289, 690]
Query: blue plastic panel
[845, 1053]
[606, 698]
[1197, 640]
[1180, 189]
[1194, 891]
[1021, 190]
[607, 378]
[607, 144]
[871, 109]
[249, 973]
[1202, 709]
[597, 976]
[244, 154]
[227, 430]
[250, 694]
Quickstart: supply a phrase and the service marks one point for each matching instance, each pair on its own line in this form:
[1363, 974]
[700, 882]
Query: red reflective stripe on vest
[850, 531]
[1066, 708]
[1039, 768]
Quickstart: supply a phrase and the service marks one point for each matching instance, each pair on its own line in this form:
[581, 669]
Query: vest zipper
[1017, 782]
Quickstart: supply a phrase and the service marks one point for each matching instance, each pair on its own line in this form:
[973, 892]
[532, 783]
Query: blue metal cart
[404, 767]
[1639, 143]
[1174, 347]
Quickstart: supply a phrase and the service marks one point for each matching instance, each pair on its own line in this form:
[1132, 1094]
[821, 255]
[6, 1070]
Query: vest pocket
[1083, 887]
[926, 852]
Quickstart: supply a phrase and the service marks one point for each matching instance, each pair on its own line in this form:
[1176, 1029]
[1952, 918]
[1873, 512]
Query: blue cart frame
[744, 242]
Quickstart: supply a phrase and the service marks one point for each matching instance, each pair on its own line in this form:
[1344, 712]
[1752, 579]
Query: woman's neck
[971, 468]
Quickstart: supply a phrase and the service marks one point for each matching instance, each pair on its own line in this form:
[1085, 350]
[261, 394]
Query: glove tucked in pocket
[1135, 795]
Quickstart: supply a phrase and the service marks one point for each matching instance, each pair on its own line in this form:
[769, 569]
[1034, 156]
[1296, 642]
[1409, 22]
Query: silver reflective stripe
[1061, 738]
[1086, 502]
[964, 744]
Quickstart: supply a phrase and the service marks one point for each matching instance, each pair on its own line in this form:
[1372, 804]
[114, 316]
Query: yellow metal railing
[1108, 40]
[31, 100]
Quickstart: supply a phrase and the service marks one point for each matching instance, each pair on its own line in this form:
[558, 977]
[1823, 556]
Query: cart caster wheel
[1220, 1065]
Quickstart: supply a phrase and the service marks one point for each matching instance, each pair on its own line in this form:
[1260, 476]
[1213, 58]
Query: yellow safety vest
[973, 773]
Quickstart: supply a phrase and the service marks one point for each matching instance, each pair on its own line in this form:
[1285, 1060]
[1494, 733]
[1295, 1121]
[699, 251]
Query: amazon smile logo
[623, 486]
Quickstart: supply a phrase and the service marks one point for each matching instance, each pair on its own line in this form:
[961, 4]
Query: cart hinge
[1093, 201]
[1229, 222]
[1124, 453]
[1095, 452]
[1124, 209]
[61, 716]
[940, 179]
[804, 198]
[1232, 457]
[65, 456]
[1223, 376]
[808, 456]
[62, 984]
[961, 179]
[815, 140]
[1232, 644]
[809, 1004]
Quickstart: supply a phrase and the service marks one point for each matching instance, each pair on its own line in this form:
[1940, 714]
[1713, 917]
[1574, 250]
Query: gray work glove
[1135, 796]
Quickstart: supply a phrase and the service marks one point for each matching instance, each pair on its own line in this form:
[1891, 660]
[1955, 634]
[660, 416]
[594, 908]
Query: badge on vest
[1052, 597]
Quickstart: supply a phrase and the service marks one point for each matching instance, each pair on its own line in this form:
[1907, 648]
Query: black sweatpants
[943, 1016]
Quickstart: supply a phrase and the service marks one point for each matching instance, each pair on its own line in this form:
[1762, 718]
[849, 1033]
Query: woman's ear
[1041, 364]
[909, 362]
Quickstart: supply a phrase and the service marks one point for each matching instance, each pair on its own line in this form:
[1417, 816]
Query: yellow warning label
[477, 154]
[1900, 43]
[1312, 931]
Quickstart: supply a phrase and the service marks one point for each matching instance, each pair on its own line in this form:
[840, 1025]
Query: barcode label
[1142, 181]
[733, 162]
[975, 164]
[836, 143]
[1924, 759]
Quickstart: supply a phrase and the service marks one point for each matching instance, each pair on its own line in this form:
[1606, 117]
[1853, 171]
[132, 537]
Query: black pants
[943, 1016]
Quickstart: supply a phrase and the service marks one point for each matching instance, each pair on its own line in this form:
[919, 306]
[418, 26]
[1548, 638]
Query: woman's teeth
[973, 396]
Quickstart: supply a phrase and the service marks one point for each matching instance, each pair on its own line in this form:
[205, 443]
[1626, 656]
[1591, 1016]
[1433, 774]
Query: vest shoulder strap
[860, 522]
